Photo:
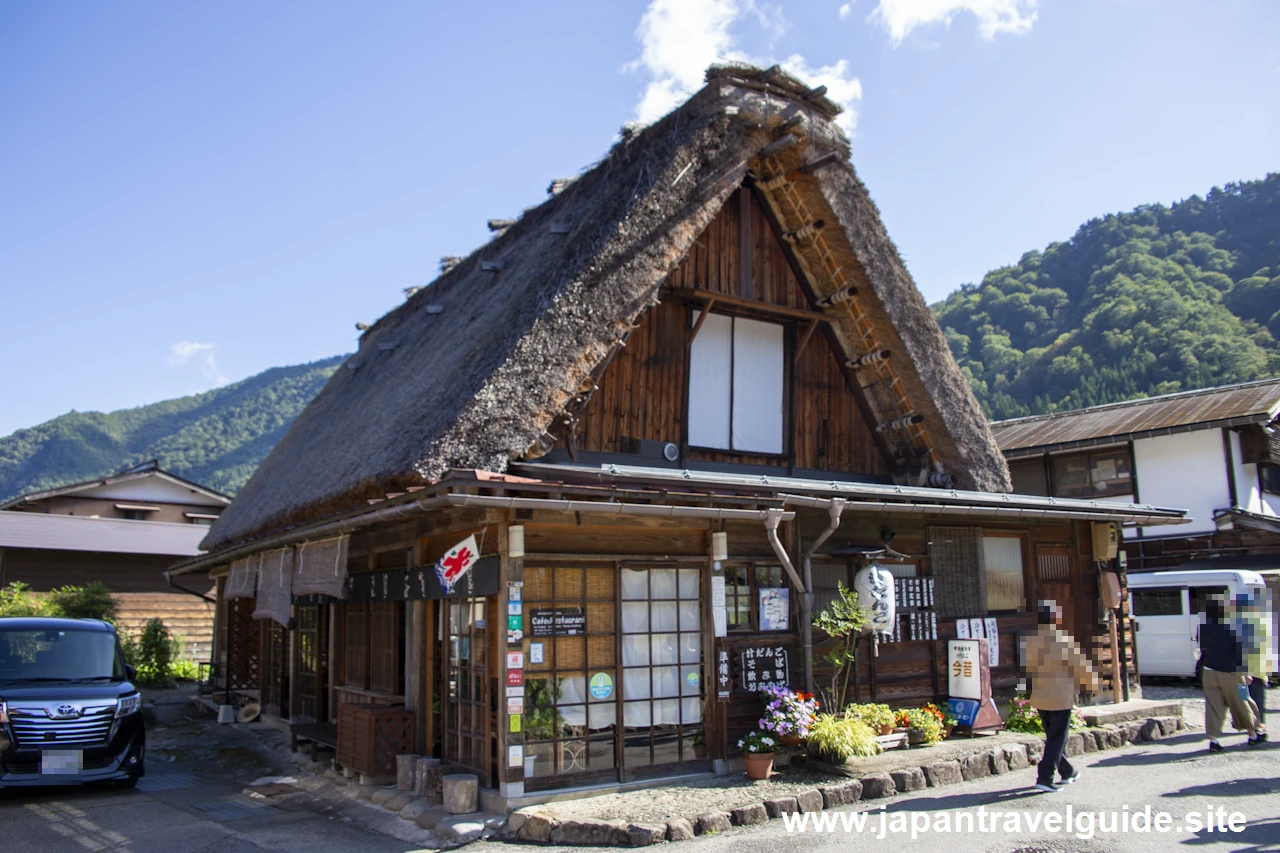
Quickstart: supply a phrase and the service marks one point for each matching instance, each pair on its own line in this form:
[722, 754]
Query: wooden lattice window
[1053, 563]
[384, 646]
[355, 670]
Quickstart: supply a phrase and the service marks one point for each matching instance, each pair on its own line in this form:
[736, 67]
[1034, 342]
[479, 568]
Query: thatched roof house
[474, 370]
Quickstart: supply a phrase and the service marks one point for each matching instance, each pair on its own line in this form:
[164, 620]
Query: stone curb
[530, 824]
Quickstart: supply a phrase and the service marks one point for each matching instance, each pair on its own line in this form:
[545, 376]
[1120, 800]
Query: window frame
[1022, 540]
[753, 569]
[1090, 491]
[788, 337]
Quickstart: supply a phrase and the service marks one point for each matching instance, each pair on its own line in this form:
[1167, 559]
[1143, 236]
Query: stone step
[1125, 712]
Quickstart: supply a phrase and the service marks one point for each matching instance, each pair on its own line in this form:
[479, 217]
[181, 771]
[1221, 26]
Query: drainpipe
[834, 509]
[806, 598]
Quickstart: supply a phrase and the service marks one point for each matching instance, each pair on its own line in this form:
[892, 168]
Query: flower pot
[759, 765]
[699, 752]
[946, 731]
[886, 730]
[790, 740]
[915, 738]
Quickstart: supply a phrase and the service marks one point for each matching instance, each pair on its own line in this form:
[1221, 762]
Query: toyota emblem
[64, 712]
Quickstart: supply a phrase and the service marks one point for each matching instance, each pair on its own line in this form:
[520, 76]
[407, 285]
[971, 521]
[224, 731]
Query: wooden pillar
[715, 715]
[510, 590]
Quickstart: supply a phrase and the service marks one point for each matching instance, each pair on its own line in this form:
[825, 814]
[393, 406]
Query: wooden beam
[804, 341]
[746, 277]
[698, 325]
[763, 308]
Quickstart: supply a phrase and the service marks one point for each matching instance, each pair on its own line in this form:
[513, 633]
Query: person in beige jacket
[1056, 668]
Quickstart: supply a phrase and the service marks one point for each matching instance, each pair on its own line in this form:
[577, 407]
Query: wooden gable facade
[738, 266]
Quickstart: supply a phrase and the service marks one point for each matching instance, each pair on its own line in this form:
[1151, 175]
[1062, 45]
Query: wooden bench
[316, 734]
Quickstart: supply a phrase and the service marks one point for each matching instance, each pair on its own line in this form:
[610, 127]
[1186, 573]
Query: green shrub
[151, 653]
[836, 741]
[92, 601]
[874, 715]
[16, 600]
[185, 670]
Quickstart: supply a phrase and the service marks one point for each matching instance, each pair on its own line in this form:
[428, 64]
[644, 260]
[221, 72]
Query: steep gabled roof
[474, 370]
[1187, 411]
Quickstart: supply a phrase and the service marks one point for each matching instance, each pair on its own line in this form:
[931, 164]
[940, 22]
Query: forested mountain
[1153, 301]
[216, 438]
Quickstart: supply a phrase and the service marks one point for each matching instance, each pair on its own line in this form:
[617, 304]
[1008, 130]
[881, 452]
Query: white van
[1168, 610]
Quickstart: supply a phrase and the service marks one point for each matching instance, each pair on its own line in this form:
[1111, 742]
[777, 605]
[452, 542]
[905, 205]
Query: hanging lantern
[875, 588]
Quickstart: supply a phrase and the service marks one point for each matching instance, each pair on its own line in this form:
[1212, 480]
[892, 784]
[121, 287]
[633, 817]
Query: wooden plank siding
[642, 393]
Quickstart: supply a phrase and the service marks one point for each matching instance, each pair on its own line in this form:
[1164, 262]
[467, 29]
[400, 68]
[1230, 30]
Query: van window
[1157, 601]
[1201, 594]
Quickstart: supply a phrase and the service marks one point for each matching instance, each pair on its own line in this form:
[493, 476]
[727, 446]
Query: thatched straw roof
[473, 370]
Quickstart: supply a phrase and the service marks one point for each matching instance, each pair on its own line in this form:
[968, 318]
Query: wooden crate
[371, 736]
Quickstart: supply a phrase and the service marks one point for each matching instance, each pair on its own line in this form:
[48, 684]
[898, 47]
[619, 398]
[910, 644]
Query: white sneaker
[1067, 781]
[1047, 789]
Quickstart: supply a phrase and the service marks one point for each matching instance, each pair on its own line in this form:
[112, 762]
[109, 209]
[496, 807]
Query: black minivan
[69, 712]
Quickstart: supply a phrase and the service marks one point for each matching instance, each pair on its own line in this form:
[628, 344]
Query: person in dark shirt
[1222, 655]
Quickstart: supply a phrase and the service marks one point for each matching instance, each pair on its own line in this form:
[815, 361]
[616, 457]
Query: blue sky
[192, 193]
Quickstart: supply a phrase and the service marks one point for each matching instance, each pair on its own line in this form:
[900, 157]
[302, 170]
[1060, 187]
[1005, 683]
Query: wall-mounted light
[515, 540]
[720, 546]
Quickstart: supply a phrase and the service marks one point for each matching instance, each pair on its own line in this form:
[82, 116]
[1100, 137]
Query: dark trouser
[1056, 725]
[1258, 693]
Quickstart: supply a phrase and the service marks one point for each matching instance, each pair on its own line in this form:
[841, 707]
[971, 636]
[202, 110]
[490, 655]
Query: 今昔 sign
[964, 669]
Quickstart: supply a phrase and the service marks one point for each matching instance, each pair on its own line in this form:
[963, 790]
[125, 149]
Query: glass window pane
[690, 583]
[636, 715]
[691, 710]
[690, 680]
[635, 584]
[689, 615]
[666, 712]
[666, 648]
[635, 650]
[1160, 601]
[690, 648]
[635, 617]
[664, 616]
[662, 583]
[635, 684]
[710, 374]
[666, 681]
[1002, 556]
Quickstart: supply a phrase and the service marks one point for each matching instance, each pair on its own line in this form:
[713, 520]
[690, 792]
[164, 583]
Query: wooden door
[465, 705]
[311, 665]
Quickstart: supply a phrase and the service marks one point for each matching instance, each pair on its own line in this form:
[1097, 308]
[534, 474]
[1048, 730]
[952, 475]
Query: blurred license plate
[61, 762]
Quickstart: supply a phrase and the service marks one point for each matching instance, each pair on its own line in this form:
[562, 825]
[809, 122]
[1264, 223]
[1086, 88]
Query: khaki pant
[1222, 691]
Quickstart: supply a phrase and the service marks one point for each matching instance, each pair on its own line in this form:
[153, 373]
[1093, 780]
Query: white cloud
[680, 38]
[846, 10]
[183, 351]
[900, 17]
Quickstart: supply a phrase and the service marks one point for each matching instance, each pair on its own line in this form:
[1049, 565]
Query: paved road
[1177, 776]
[187, 809]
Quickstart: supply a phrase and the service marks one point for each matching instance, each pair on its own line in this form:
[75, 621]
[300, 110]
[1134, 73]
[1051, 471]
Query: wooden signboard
[969, 685]
[764, 667]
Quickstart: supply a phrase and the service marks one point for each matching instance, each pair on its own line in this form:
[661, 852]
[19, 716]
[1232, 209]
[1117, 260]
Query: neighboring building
[1215, 451]
[675, 405]
[124, 531]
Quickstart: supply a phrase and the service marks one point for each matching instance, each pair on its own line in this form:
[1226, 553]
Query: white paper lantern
[875, 589]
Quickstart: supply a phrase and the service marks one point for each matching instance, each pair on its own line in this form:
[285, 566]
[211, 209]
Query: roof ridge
[1139, 401]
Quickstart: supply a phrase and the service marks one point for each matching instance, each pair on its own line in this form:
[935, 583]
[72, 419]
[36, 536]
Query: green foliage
[152, 653]
[93, 601]
[541, 719]
[185, 670]
[837, 740]
[841, 620]
[16, 600]
[759, 743]
[877, 716]
[1154, 301]
[217, 438]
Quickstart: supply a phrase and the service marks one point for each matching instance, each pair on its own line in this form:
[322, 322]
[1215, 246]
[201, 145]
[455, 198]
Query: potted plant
[700, 744]
[878, 716]
[757, 751]
[788, 714]
[943, 716]
[922, 726]
[835, 741]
